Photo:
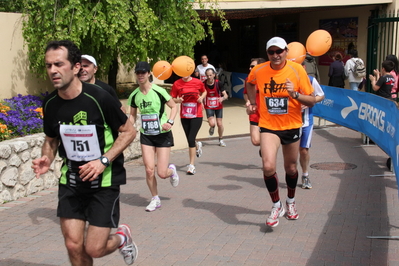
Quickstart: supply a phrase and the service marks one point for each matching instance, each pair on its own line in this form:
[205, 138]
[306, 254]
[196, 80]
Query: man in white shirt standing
[200, 70]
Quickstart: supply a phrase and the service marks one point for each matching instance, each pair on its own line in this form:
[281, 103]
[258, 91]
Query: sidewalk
[217, 216]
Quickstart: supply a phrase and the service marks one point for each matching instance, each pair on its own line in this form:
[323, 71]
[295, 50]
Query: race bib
[189, 110]
[80, 142]
[150, 124]
[212, 102]
[277, 106]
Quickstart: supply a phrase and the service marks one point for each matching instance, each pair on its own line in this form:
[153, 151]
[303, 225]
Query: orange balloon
[296, 52]
[162, 70]
[318, 42]
[183, 66]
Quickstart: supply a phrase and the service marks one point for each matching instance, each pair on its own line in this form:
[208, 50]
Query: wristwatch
[296, 95]
[170, 121]
[104, 160]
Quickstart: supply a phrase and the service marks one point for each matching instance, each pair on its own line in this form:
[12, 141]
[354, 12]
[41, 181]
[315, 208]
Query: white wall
[14, 74]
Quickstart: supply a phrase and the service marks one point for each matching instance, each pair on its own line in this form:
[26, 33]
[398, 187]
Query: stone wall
[17, 178]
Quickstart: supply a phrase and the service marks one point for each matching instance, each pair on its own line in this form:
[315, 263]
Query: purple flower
[22, 119]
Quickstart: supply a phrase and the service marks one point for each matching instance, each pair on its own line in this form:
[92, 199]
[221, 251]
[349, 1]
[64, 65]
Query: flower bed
[21, 116]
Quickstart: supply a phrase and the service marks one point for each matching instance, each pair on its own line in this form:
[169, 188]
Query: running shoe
[191, 169]
[211, 131]
[174, 179]
[154, 204]
[306, 182]
[199, 149]
[221, 143]
[276, 213]
[129, 249]
[292, 214]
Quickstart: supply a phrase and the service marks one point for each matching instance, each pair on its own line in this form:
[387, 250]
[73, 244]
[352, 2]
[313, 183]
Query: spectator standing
[215, 95]
[283, 88]
[307, 130]
[156, 137]
[395, 74]
[189, 93]
[89, 131]
[311, 67]
[353, 78]
[254, 117]
[383, 82]
[336, 72]
[200, 69]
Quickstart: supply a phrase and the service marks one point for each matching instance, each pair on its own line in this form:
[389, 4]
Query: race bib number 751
[80, 142]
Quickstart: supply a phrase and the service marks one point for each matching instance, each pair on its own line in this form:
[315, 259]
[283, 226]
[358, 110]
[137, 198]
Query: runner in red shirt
[189, 93]
[253, 117]
[214, 104]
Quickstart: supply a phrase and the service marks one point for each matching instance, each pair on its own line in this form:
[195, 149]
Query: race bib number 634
[277, 106]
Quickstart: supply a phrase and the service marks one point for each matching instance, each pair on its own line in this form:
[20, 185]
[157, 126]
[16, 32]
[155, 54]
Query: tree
[131, 31]
[11, 6]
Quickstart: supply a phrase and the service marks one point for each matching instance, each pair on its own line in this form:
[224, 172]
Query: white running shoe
[129, 249]
[306, 182]
[292, 214]
[199, 149]
[174, 178]
[154, 204]
[221, 143]
[276, 213]
[191, 169]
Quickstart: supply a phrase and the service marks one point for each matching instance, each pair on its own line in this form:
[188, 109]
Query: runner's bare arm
[49, 151]
[251, 92]
[133, 115]
[202, 97]
[308, 100]
[90, 170]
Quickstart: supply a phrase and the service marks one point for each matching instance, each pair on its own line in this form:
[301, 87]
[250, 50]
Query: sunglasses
[251, 66]
[140, 72]
[272, 52]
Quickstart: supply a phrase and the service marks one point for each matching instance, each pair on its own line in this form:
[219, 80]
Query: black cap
[142, 66]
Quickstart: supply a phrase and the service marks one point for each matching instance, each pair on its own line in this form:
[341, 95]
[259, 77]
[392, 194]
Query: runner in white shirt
[200, 70]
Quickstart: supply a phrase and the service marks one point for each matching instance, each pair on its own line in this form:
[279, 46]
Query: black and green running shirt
[94, 108]
[151, 107]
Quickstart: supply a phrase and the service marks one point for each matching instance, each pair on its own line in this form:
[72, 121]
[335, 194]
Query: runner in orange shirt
[283, 87]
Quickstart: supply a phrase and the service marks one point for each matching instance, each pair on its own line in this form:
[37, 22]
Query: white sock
[277, 204]
[123, 239]
[156, 197]
[289, 200]
[305, 174]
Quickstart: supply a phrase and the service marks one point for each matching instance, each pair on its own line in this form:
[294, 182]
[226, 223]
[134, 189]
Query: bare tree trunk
[112, 74]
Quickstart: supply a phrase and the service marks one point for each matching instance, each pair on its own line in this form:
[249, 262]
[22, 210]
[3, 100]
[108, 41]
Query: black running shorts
[98, 206]
[162, 140]
[286, 136]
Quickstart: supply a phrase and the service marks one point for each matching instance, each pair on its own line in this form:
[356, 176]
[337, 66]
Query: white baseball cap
[276, 41]
[90, 59]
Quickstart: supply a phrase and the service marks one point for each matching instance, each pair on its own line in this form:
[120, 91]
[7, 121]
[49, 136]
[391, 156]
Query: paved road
[217, 217]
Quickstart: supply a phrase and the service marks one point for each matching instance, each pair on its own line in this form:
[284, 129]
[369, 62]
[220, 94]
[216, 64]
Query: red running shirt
[190, 91]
